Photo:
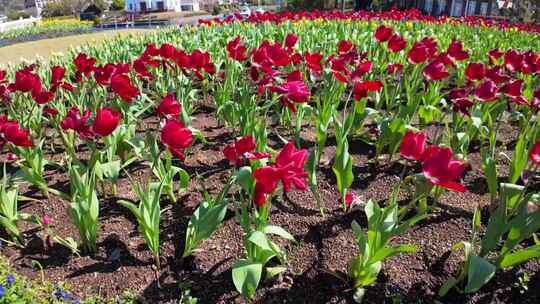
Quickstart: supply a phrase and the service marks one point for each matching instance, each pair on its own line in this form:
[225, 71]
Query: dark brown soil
[324, 243]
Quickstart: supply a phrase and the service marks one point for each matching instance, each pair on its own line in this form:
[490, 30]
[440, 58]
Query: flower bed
[48, 28]
[328, 157]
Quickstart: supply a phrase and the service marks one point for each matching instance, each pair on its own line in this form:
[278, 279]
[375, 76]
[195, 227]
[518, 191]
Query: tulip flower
[237, 51]
[361, 89]
[383, 33]
[201, 61]
[344, 46]
[439, 168]
[169, 106]
[496, 75]
[289, 169]
[495, 54]
[513, 60]
[14, 134]
[122, 86]
[290, 40]
[513, 88]
[76, 122]
[43, 97]
[475, 71]
[243, 148]
[394, 68]
[418, 53]
[292, 91]
[313, 62]
[486, 91]
[436, 70]
[84, 65]
[456, 51]
[50, 111]
[396, 43]
[176, 137]
[350, 197]
[27, 81]
[413, 145]
[534, 154]
[45, 220]
[106, 122]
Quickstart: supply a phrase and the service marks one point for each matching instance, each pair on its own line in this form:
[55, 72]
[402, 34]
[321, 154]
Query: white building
[134, 6]
[36, 6]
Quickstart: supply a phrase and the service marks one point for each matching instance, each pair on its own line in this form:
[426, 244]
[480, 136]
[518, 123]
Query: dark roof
[92, 9]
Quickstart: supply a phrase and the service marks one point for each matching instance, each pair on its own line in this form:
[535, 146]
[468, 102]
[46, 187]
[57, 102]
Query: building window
[471, 8]
[484, 9]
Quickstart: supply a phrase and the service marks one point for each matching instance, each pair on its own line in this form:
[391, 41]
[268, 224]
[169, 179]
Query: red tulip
[361, 89]
[237, 50]
[167, 51]
[487, 91]
[106, 121]
[50, 111]
[513, 60]
[84, 65]
[266, 179]
[439, 168]
[394, 68]
[418, 53]
[292, 91]
[176, 137]
[14, 134]
[495, 54]
[413, 145]
[349, 198]
[3, 75]
[289, 169]
[27, 81]
[291, 162]
[313, 62]
[436, 70]
[396, 43]
[534, 154]
[456, 51]
[475, 71]
[496, 75]
[462, 105]
[121, 85]
[383, 33]
[513, 88]
[76, 122]
[201, 60]
[431, 46]
[57, 77]
[243, 148]
[344, 46]
[169, 106]
[290, 40]
[43, 97]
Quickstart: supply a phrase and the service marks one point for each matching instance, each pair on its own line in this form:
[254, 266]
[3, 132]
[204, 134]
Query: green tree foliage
[117, 5]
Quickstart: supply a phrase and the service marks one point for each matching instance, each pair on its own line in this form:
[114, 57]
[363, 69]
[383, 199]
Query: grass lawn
[17, 53]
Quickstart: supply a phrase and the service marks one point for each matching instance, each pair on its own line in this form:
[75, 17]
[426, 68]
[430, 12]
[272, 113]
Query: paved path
[45, 48]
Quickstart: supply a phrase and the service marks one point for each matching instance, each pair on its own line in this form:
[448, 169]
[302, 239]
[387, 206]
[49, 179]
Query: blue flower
[1, 291]
[62, 294]
[10, 279]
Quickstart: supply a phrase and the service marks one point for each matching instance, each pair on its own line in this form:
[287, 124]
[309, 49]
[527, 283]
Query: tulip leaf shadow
[112, 244]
